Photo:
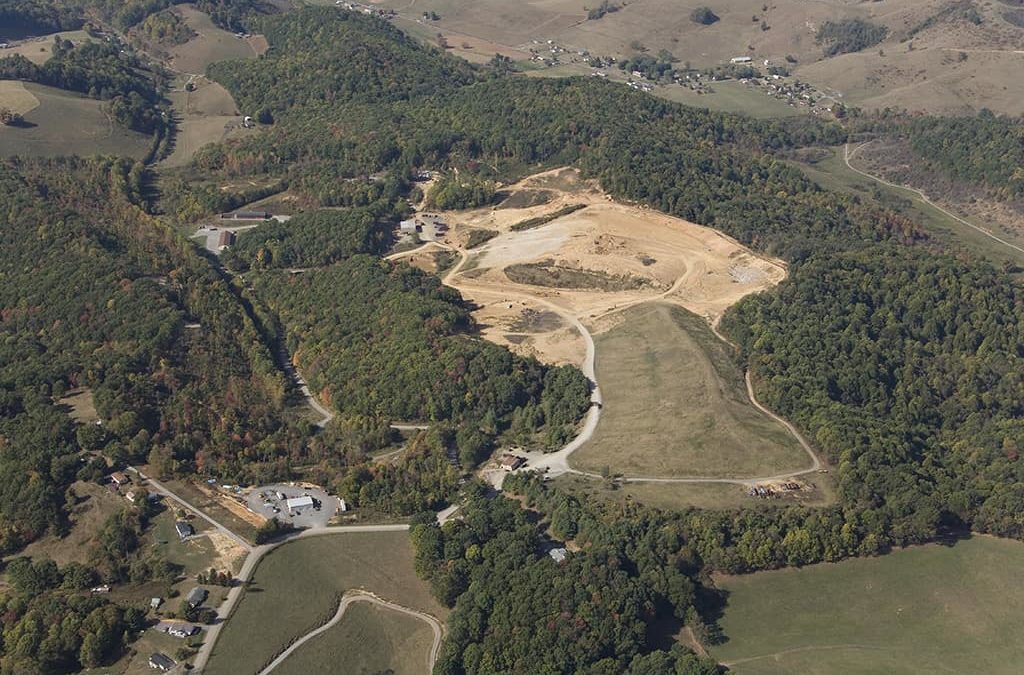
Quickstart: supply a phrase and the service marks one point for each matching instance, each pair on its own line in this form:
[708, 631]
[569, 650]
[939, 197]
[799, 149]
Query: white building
[299, 503]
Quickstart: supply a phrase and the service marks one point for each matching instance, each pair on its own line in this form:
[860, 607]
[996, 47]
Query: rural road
[362, 596]
[848, 155]
[249, 567]
[160, 488]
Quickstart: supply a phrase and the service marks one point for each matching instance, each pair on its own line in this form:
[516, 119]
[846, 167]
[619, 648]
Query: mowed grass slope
[675, 405]
[369, 639]
[297, 586]
[928, 609]
[65, 123]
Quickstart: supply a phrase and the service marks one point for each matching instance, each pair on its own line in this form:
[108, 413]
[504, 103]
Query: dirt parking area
[303, 506]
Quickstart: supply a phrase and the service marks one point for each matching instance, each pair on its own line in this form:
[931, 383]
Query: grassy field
[67, 123]
[298, 585]
[831, 172]
[369, 639]
[676, 496]
[676, 405]
[928, 609]
[94, 505]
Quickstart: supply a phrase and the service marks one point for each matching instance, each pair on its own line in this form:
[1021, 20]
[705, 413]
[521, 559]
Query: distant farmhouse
[184, 530]
[426, 226]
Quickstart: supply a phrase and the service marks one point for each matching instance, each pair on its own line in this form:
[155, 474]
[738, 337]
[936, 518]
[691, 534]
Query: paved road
[159, 487]
[363, 596]
[256, 554]
[848, 155]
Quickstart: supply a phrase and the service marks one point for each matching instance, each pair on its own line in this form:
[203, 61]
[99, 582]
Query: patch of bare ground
[594, 262]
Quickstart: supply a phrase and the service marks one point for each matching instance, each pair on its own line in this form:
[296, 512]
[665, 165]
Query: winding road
[363, 596]
[557, 463]
[848, 155]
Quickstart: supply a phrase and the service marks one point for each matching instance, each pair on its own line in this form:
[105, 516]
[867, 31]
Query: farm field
[67, 123]
[207, 115]
[369, 639]
[927, 609]
[39, 50]
[676, 405]
[297, 586]
[210, 44]
[831, 172]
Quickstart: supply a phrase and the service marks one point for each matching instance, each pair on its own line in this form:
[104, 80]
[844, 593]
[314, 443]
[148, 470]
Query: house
[511, 462]
[296, 503]
[161, 662]
[557, 554]
[227, 238]
[178, 629]
[184, 529]
[154, 603]
[196, 597]
[118, 478]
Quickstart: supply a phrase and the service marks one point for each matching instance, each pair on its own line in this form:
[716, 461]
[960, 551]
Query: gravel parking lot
[272, 501]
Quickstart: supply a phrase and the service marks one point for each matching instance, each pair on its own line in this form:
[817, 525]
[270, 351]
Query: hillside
[920, 68]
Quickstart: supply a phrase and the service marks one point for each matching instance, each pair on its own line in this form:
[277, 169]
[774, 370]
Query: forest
[50, 16]
[384, 340]
[908, 471]
[133, 92]
[986, 149]
[518, 611]
[849, 35]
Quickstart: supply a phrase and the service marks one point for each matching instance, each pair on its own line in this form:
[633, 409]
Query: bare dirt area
[228, 552]
[594, 262]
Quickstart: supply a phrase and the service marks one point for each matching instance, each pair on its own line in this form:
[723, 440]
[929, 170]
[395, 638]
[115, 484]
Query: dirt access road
[848, 155]
[363, 596]
[557, 463]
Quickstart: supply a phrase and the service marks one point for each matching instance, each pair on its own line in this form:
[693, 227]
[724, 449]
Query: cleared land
[210, 44]
[38, 50]
[626, 255]
[928, 609]
[296, 587]
[17, 98]
[369, 639]
[676, 404]
[67, 123]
